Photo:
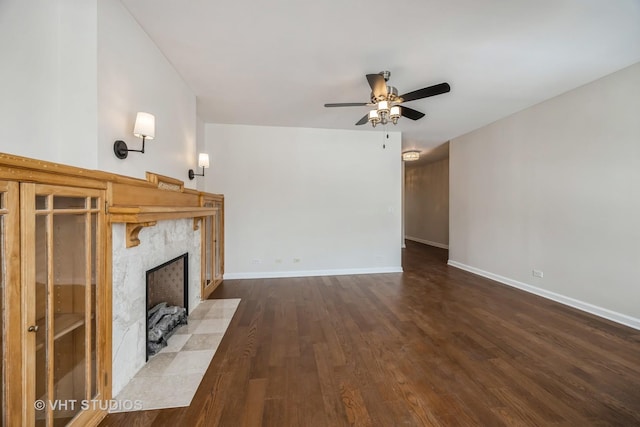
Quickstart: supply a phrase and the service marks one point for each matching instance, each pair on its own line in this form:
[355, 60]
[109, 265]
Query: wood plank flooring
[434, 346]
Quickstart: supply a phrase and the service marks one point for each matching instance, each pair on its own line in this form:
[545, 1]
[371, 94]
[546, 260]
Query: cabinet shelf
[62, 325]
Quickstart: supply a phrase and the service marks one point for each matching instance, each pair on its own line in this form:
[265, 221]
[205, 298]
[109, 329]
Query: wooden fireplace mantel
[142, 203]
[136, 202]
[129, 214]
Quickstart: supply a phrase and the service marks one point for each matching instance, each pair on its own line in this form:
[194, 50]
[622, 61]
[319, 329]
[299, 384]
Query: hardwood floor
[434, 346]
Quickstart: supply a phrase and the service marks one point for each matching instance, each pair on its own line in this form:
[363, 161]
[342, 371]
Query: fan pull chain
[386, 132]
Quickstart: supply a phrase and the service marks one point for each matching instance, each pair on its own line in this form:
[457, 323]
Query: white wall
[329, 198]
[74, 74]
[48, 106]
[133, 75]
[426, 202]
[556, 188]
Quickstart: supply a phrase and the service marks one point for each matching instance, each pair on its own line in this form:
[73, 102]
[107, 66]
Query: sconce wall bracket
[192, 174]
[121, 150]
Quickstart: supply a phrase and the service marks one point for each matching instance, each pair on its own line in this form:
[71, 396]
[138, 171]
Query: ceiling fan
[388, 103]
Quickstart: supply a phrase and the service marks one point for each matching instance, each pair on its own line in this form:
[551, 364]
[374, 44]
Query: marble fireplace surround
[159, 244]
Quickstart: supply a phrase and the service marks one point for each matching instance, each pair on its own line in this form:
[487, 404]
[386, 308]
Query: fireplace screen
[167, 301]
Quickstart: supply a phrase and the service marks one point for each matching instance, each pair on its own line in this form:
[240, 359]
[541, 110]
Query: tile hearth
[170, 378]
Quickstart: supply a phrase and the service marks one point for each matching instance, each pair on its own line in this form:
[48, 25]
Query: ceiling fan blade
[410, 113]
[378, 85]
[363, 120]
[426, 92]
[346, 104]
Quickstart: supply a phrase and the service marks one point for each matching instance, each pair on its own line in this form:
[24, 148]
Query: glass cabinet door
[218, 229]
[208, 252]
[61, 299]
[212, 246]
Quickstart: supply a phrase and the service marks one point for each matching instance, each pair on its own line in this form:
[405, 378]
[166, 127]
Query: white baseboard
[623, 319]
[311, 273]
[427, 242]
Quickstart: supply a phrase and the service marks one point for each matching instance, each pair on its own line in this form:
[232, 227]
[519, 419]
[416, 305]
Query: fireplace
[167, 301]
[166, 240]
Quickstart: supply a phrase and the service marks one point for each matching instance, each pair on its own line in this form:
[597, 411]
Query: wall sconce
[144, 128]
[203, 162]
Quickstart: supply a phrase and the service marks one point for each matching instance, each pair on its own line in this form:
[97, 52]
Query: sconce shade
[203, 160]
[145, 126]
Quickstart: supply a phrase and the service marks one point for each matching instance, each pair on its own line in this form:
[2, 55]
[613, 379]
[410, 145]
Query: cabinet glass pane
[60, 202]
[69, 288]
[41, 203]
[41, 317]
[216, 237]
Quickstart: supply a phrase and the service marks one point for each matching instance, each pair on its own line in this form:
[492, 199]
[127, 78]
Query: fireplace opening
[167, 301]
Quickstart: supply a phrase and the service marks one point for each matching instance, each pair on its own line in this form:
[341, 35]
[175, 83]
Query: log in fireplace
[167, 301]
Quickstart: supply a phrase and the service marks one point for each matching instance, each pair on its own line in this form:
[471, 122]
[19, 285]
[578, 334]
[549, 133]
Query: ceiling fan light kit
[388, 103]
[374, 117]
[394, 114]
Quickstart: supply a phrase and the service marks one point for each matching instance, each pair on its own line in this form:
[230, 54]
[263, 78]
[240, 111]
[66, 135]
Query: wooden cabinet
[52, 297]
[212, 269]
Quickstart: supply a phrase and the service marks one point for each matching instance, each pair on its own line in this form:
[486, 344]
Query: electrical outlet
[537, 273]
[256, 261]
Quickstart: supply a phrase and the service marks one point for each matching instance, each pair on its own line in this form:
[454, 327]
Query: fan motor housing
[392, 95]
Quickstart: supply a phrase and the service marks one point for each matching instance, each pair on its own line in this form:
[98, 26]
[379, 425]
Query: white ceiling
[277, 62]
